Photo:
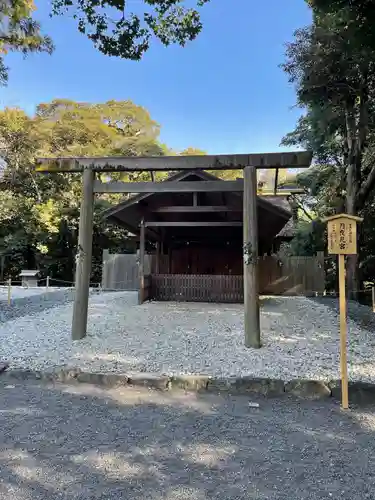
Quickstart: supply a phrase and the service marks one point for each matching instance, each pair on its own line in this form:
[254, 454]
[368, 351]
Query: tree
[335, 80]
[111, 128]
[193, 152]
[19, 32]
[117, 32]
[39, 214]
[359, 17]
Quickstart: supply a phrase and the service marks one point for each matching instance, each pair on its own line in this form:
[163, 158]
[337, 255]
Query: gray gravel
[299, 335]
[26, 302]
[85, 443]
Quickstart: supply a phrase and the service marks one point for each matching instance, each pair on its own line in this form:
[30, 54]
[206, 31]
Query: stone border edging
[306, 389]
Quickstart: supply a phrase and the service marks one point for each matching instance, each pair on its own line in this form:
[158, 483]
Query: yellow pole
[343, 329]
[9, 290]
[373, 298]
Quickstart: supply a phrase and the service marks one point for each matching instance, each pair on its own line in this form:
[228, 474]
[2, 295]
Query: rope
[116, 287]
[72, 283]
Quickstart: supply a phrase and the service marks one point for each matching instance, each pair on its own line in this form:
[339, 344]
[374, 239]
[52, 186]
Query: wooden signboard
[342, 240]
[342, 234]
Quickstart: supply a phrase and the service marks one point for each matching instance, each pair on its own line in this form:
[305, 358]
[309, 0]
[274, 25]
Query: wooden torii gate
[249, 163]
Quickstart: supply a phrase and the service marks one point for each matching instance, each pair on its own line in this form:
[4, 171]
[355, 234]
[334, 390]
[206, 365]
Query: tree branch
[295, 199]
[366, 189]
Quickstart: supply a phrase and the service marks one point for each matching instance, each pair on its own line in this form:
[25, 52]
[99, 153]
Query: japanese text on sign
[342, 236]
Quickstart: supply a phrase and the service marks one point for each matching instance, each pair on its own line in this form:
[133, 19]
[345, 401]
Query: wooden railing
[197, 288]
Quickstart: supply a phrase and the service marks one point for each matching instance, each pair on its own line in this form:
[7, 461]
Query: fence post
[2, 265]
[47, 283]
[9, 290]
[157, 259]
[141, 263]
[322, 275]
[105, 259]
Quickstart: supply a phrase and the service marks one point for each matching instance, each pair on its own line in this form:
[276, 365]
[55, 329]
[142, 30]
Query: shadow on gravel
[268, 301]
[34, 304]
[361, 315]
[83, 442]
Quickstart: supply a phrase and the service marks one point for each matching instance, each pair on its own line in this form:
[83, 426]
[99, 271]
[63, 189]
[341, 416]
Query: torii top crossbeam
[295, 159]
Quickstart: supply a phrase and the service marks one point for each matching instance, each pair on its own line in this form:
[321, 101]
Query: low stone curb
[359, 392]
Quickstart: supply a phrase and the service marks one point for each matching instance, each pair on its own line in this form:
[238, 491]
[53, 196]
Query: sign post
[342, 240]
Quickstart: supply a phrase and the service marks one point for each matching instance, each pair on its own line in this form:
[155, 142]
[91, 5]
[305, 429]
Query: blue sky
[223, 93]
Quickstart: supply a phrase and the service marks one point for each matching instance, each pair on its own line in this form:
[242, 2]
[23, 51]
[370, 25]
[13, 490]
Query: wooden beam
[276, 180]
[83, 259]
[283, 192]
[141, 268]
[157, 260]
[183, 187]
[195, 209]
[295, 159]
[105, 259]
[169, 258]
[194, 224]
[169, 187]
[250, 250]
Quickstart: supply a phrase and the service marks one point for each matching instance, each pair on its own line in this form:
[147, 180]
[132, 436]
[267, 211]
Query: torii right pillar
[250, 259]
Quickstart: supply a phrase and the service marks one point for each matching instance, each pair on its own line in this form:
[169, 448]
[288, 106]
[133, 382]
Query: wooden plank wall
[277, 276]
[291, 275]
[120, 271]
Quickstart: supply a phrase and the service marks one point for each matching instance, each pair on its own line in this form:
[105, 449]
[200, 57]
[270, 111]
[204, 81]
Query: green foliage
[19, 32]
[118, 32]
[193, 152]
[39, 214]
[309, 238]
[331, 64]
[359, 16]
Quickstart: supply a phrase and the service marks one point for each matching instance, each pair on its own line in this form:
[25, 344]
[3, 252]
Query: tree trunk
[352, 189]
[352, 261]
[30, 257]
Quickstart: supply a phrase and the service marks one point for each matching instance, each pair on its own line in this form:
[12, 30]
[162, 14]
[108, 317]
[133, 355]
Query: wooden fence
[120, 271]
[197, 288]
[277, 276]
[291, 275]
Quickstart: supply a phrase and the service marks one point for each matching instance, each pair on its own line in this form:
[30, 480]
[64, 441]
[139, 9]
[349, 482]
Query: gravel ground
[85, 443]
[299, 335]
[18, 292]
[29, 301]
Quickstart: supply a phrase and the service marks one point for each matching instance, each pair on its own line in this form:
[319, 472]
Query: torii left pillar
[250, 254]
[83, 263]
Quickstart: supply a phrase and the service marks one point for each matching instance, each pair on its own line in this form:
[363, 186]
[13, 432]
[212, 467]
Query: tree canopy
[332, 67]
[39, 214]
[117, 31]
[358, 16]
[19, 32]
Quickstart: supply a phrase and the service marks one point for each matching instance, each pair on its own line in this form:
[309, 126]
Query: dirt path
[83, 442]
